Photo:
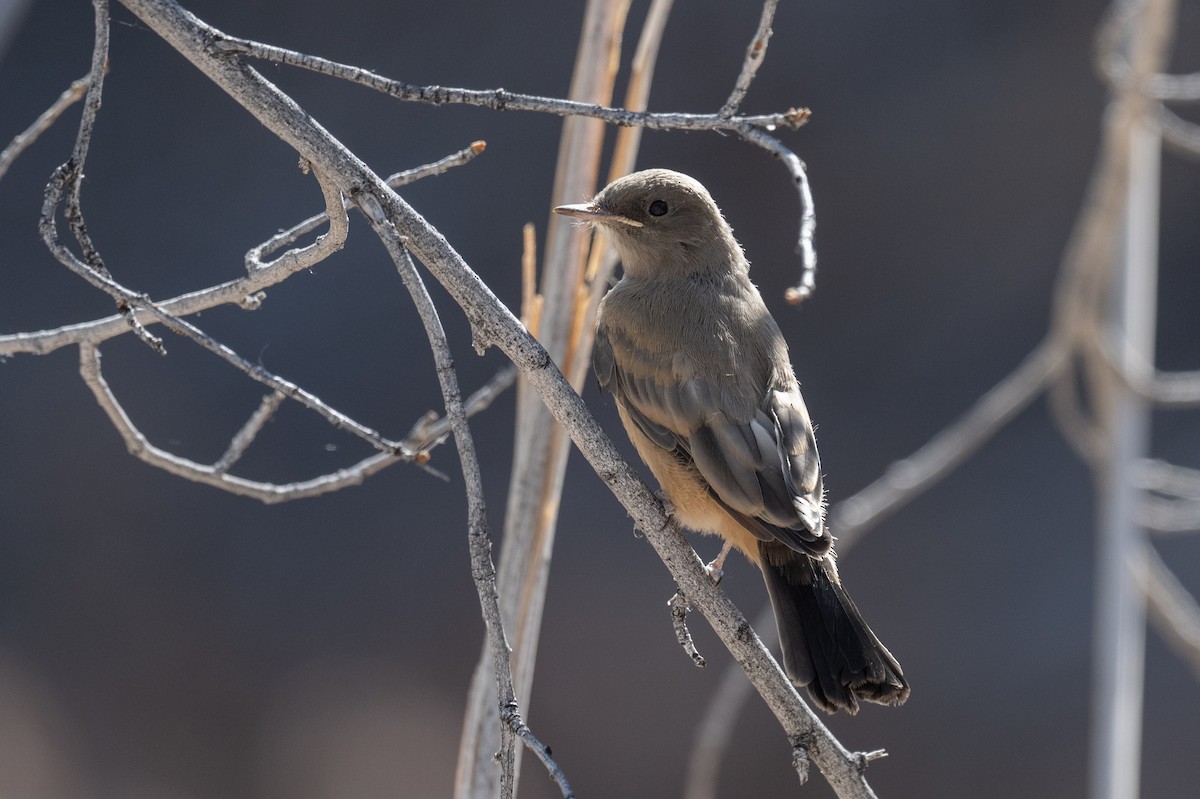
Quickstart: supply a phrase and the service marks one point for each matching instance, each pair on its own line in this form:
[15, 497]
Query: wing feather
[761, 463]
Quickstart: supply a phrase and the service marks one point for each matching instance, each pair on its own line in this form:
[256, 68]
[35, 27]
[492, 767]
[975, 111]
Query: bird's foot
[668, 508]
[716, 568]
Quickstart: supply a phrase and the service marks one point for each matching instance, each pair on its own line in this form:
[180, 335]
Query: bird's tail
[825, 642]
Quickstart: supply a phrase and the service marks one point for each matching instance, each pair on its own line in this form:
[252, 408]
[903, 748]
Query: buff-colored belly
[688, 492]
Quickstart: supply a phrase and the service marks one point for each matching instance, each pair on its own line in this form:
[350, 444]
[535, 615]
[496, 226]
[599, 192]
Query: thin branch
[482, 568]
[244, 292]
[1171, 496]
[71, 173]
[245, 437]
[752, 127]
[540, 448]
[1174, 390]
[269, 493]
[755, 53]
[1168, 478]
[808, 219]
[1173, 610]
[301, 258]
[431, 430]
[308, 257]
[1172, 88]
[910, 477]
[1182, 135]
[23, 140]
[500, 99]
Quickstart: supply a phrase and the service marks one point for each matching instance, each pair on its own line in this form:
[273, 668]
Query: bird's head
[661, 222]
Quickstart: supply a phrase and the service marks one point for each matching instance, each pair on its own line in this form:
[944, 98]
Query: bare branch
[482, 568]
[1165, 389]
[1181, 134]
[305, 258]
[1172, 504]
[69, 176]
[1173, 610]
[22, 141]
[245, 292]
[540, 448]
[1173, 88]
[500, 99]
[269, 493]
[245, 437]
[808, 217]
[755, 54]
[910, 477]
[302, 258]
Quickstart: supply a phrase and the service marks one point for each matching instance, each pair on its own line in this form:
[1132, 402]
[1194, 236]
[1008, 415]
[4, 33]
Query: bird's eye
[657, 208]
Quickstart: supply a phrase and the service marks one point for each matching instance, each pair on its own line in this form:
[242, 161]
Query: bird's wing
[760, 464]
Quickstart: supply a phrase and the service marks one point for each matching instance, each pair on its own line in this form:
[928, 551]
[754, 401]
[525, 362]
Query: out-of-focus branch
[502, 99]
[1171, 497]
[908, 478]
[1172, 609]
[808, 219]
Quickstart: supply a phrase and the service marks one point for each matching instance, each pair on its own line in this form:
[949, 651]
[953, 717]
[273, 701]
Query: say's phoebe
[706, 392]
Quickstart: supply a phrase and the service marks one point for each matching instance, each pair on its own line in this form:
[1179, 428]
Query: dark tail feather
[825, 642]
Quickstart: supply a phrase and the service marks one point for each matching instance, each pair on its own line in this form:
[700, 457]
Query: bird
[705, 388]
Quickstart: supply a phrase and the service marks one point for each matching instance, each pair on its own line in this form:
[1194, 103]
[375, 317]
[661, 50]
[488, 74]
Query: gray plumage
[705, 388]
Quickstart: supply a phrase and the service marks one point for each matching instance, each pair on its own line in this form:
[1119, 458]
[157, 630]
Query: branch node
[863, 759]
[800, 762]
[679, 611]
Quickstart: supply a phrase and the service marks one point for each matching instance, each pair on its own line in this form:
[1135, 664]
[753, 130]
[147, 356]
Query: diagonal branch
[1172, 609]
[910, 477]
[22, 141]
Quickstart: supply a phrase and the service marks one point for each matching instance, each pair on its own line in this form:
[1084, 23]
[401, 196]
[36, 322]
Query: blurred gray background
[162, 639]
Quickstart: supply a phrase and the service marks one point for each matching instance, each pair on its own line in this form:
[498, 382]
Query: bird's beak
[589, 212]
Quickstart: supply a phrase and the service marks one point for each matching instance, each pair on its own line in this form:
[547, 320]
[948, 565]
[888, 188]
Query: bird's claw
[716, 568]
